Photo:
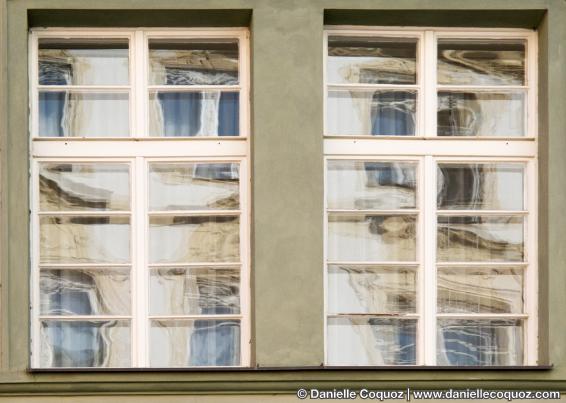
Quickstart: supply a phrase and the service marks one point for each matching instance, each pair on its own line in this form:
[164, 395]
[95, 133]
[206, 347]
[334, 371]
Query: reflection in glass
[375, 113]
[85, 344]
[480, 342]
[480, 290]
[374, 238]
[371, 289]
[83, 114]
[371, 341]
[372, 60]
[182, 239]
[85, 292]
[83, 61]
[194, 186]
[195, 291]
[475, 186]
[194, 343]
[84, 186]
[481, 114]
[190, 114]
[67, 239]
[481, 62]
[193, 61]
[480, 238]
[364, 185]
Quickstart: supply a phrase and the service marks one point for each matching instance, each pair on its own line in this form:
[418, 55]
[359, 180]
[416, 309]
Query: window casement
[430, 142]
[140, 197]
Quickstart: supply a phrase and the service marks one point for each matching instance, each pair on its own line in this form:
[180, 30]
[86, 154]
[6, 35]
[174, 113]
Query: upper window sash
[393, 90]
[139, 86]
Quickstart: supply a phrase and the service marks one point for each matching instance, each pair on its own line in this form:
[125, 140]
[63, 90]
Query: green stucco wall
[287, 186]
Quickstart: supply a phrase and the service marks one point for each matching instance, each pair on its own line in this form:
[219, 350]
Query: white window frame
[138, 151]
[429, 149]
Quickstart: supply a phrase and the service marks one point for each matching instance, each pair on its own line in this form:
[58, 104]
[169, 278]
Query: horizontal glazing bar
[193, 88]
[85, 88]
[195, 213]
[368, 263]
[482, 264]
[482, 315]
[90, 318]
[370, 87]
[83, 213]
[481, 212]
[193, 317]
[372, 212]
[198, 264]
[380, 315]
[83, 265]
[480, 88]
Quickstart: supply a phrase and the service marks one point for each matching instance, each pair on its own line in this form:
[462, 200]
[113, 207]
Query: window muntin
[463, 273]
[141, 259]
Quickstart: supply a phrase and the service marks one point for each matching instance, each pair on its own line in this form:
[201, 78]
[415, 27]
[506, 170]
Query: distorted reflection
[485, 186]
[481, 62]
[480, 290]
[480, 238]
[194, 186]
[371, 341]
[205, 342]
[83, 186]
[481, 114]
[371, 60]
[365, 185]
[376, 113]
[85, 344]
[480, 342]
[85, 292]
[198, 291]
[375, 238]
[371, 289]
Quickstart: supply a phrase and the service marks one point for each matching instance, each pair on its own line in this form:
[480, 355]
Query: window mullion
[139, 267]
[139, 85]
[429, 261]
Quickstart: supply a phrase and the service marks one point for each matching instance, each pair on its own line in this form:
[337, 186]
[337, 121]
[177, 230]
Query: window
[140, 205]
[430, 163]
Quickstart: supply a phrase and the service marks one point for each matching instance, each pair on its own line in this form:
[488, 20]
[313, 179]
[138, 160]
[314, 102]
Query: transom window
[430, 145]
[140, 199]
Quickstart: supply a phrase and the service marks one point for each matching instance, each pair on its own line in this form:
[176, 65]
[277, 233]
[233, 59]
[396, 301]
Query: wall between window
[287, 194]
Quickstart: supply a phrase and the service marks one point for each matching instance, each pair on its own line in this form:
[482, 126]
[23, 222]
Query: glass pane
[366, 289]
[195, 343]
[83, 61]
[371, 341]
[372, 238]
[85, 344]
[68, 239]
[84, 187]
[375, 113]
[81, 114]
[190, 114]
[481, 62]
[480, 290]
[480, 239]
[480, 342]
[194, 186]
[193, 61]
[372, 60]
[365, 185]
[481, 114]
[491, 186]
[85, 292]
[198, 291]
[179, 239]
